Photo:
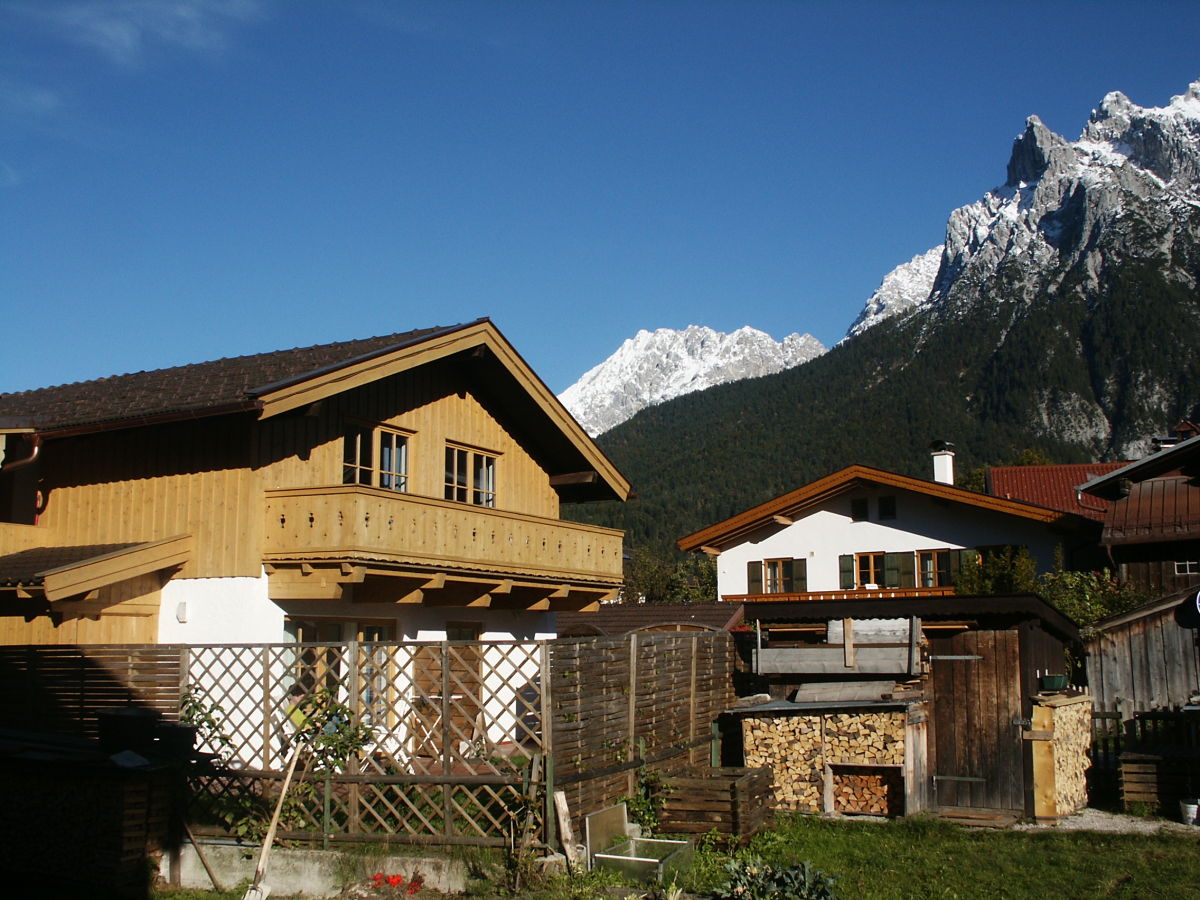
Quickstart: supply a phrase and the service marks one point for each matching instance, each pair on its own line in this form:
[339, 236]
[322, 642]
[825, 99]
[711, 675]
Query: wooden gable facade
[407, 478]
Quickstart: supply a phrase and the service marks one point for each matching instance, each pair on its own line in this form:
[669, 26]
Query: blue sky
[182, 180]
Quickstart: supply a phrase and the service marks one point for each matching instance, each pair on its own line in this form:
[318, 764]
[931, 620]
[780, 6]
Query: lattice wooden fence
[465, 741]
[453, 730]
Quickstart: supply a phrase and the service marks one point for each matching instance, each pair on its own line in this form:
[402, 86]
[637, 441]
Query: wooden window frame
[461, 483]
[366, 468]
[1189, 567]
[779, 575]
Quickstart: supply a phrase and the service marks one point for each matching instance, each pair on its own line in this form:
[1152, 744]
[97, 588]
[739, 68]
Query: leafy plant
[752, 879]
[645, 803]
[208, 718]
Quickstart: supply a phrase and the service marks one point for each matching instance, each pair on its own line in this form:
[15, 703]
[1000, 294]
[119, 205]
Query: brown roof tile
[26, 566]
[198, 387]
[1051, 486]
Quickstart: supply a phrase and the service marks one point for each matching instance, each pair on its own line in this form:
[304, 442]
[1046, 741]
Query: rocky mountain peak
[654, 366]
[1035, 151]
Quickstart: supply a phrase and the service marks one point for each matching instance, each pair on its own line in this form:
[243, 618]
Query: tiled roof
[1051, 486]
[26, 566]
[198, 387]
[622, 618]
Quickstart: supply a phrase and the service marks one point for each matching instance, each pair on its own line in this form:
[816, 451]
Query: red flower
[377, 877]
[395, 880]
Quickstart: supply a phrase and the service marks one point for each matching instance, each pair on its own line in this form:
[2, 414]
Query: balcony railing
[856, 594]
[356, 523]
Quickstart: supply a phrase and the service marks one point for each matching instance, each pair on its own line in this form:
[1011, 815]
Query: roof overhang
[1111, 486]
[585, 470]
[84, 576]
[1019, 606]
[792, 505]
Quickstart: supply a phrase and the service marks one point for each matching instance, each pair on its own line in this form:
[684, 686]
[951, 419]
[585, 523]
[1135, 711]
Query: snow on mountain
[1058, 196]
[654, 366]
[905, 287]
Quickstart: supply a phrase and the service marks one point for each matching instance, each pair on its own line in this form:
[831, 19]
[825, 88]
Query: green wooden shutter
[846, 571]
[908, 570]
[959, 559]
[754, 575]
[799, 575]
[891, 570]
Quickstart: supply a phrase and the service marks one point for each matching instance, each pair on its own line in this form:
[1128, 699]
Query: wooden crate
[1159, 780]
[733, 801]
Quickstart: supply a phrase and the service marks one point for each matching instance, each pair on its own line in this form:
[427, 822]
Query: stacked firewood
[798, 749]
[862, 792]
[791, 746]
[867, 738]
[1072, 739]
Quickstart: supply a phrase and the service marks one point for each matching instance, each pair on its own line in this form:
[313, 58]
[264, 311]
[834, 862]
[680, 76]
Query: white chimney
[943, 461]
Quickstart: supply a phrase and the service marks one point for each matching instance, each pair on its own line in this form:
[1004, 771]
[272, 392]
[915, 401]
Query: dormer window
[376, 456]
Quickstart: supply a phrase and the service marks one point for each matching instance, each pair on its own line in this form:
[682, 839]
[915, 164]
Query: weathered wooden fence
[461, 742]
[1143, 661]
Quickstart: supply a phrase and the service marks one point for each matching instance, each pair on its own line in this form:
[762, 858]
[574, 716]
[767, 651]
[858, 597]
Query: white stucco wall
[921, 523]
[219, 611]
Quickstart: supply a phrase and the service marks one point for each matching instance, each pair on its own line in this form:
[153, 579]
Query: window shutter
[846, 571]
[908, 570]
[891, 570]
[959, 559]
[754, 573]
[799, 575]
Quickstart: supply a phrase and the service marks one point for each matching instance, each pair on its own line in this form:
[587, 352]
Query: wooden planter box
[733, 801]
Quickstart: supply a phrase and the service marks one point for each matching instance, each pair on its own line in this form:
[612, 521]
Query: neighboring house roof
[58, 573]
[1177, 457]
[1165, 508]
[1053, 486]
[267, 384]
[953, 608]
[790, 505]
[1170, 602]
[622, 618]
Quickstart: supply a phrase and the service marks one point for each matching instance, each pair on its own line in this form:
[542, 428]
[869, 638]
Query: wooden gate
[976, 747]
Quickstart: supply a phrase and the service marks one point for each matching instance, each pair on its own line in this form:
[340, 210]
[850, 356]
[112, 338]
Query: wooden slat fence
[61, 689]
[456, 729]
[1147, 664]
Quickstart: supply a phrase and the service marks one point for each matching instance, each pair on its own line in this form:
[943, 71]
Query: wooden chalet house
[850, 584]
[397, 487]
[1152, 518]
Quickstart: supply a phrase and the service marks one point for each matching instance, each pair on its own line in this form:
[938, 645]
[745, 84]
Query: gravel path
[1098, 820]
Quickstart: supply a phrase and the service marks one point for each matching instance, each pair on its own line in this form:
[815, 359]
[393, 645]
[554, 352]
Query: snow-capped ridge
[654, 366]
[1058, 195]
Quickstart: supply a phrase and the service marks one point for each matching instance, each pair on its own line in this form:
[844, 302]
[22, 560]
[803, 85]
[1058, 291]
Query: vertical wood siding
[1149, 664]
[206, 477]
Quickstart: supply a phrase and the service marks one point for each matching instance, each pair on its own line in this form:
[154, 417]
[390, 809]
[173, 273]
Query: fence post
[265, 658]
[354, 691]
[632, 709]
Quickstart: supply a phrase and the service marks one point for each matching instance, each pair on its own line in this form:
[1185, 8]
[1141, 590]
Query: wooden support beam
[848, 642]
[709, 551]
[569, 478]
[783, 520]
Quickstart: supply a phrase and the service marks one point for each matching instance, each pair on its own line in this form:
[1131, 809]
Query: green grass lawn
[922, 858]
[917, 859]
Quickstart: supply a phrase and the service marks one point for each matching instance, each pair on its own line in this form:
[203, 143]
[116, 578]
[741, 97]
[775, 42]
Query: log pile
[1072, 739]
[877, 793]
[800, 750]
[792, 747]
[865, 738]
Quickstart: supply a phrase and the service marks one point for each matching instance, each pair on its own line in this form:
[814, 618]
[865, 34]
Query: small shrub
[752, 879]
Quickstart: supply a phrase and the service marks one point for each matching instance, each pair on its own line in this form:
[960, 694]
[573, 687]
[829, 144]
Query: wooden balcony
[356, 525]
[856, 594]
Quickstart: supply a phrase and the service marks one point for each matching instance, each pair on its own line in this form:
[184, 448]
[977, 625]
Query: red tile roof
[200, 388]
[1051, 486]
